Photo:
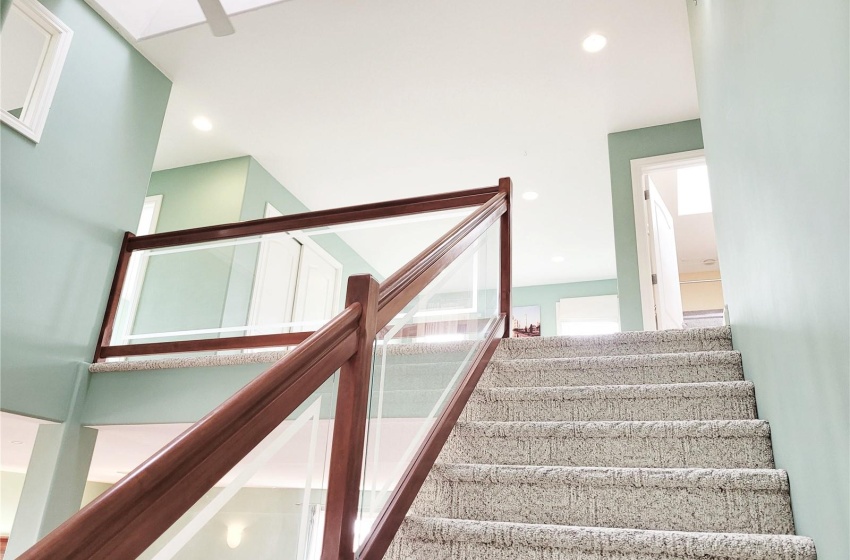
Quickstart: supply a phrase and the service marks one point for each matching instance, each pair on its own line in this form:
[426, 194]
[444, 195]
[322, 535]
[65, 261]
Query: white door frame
[640, 169]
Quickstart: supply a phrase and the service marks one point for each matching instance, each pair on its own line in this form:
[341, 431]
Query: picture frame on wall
[525, 321]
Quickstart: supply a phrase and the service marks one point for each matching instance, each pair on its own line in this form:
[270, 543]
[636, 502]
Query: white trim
[259, 282]
[136, 276]
[306, 241]
[40, 97]
[640, 169]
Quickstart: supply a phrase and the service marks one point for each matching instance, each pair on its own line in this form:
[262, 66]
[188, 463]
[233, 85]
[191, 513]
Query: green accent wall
[773, 78]
[212, 288]
[194, 283]
[623, 147]
[66, 203]
[546, 296]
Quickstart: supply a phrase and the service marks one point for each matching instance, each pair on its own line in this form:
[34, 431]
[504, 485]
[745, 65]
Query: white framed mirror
[33, 47]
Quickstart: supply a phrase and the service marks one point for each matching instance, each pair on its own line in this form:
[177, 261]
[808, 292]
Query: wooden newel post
[114, 297]
[349, 435]
[505, 186]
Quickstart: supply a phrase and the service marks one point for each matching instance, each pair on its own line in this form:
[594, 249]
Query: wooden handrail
[392, 515]
[402, 286]
[111, 311]
[126, 519]
[205, 345]
[152, 497]
[320, 218]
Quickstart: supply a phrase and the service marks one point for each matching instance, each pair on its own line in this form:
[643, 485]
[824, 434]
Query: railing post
[505, 186]
[114, 297]
[349, 434]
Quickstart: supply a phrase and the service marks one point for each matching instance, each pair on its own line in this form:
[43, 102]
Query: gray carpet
[635, 446]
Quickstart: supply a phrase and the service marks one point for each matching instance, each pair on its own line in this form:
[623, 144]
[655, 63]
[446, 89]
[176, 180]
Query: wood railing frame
[349, 439]
[126, 519]
[264, 226]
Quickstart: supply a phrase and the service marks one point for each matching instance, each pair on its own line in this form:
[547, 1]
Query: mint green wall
[212, 288]
[196, 282]
[66, 203]
[774, 91]
[546, 296]
[200, 195]
[622, 148]
[4, 9]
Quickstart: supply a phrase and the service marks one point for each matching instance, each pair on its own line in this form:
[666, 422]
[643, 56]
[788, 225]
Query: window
[34, 44]
[588, 315]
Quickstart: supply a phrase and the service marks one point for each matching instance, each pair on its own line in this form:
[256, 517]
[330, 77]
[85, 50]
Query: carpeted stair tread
[710, 500]
[428, 538]
[631, 446]
[619, 344]
[672, 444]
[686, 367]
[728, 400]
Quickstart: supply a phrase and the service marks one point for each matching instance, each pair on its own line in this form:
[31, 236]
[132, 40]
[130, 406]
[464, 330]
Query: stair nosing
[626, 540]
[604, 429]
[775, 480]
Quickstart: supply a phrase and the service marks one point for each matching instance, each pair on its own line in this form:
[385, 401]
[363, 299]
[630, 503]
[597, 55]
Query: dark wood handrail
[392, 515]
[130, 516]
[152, 497]
[402, 286]
[320, 218]
[205, 345]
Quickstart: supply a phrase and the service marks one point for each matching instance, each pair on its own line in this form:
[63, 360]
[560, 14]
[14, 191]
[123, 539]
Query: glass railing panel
[271, 504]
[269, 284]
[420, 359]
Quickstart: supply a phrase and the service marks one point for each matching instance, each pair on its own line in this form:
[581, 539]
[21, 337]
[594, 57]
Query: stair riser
[561, 348]
[640, 408]
[733, 452]
[731, 510]
[505, 377]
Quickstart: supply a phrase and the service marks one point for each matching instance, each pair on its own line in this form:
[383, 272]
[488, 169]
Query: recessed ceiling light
[594, 43]
[709, 262]
[557, 259]
[16, 442]
[202, 123]
[530, 195]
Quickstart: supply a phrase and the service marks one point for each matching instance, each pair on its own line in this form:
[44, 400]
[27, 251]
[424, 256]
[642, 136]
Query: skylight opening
[692, 190]
[144, 19]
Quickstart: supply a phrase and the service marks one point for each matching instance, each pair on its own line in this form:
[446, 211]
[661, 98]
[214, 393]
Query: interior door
[273, 296]
[665, 264]
[317, 294]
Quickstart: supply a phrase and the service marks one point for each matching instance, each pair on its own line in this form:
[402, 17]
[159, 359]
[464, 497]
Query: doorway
[679, 269]
[296, 286]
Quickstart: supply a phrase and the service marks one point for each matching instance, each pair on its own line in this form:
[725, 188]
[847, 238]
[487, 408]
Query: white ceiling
[695, 238]
[351, 102]
[17, 438]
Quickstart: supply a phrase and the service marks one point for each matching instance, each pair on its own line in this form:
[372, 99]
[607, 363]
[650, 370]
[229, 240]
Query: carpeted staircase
[635, 446]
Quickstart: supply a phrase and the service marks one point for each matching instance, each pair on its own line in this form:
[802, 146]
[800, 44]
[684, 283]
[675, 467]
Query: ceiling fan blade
[217, 18]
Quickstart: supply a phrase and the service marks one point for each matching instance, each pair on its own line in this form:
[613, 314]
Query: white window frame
[34, 116]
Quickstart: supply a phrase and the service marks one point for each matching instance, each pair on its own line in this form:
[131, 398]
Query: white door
[665, 265]
[317, 294]
[273, 296]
